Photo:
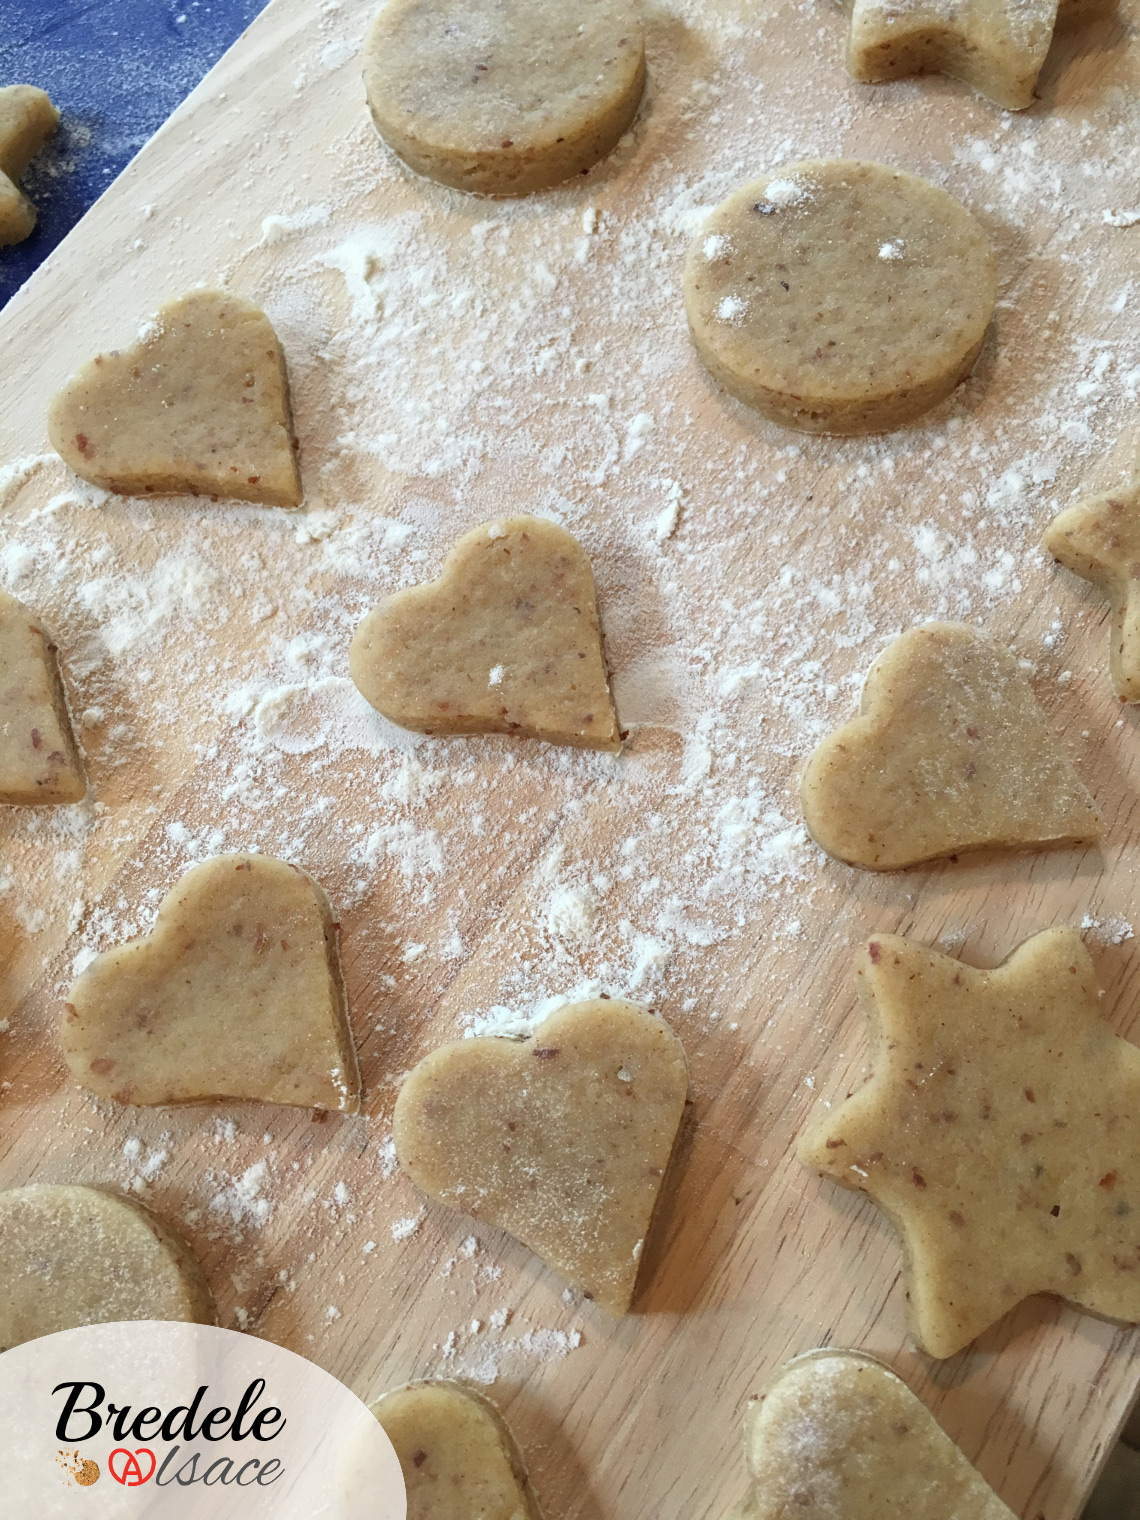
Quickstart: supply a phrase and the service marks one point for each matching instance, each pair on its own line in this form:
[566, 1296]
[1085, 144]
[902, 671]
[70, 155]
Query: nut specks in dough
[38, 758]
[562, 1139]
[997, 1131]
[837, 1436]
[503, 97]
[997, 46]
[82, 1256]
[507, 640]
[235, 993]
[457, 1454]
[198, 406]
[949, 752]
[809, 295]
[27, 120]
[1099, 539]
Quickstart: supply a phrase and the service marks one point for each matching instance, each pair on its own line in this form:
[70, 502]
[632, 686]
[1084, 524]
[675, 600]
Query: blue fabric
[116, 69]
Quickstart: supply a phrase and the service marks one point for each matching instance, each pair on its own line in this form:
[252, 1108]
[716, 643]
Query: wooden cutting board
[454, 359]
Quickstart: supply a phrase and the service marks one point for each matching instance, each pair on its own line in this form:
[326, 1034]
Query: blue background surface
[116, 69]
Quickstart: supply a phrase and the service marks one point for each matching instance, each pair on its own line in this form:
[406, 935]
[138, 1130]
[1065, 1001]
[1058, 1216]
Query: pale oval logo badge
[162, 1419]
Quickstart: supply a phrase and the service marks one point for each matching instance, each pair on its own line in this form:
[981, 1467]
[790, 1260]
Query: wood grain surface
[737, 637]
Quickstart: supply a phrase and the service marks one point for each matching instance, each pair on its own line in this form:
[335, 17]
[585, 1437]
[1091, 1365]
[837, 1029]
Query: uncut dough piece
[83, 1256]
[996, 46]
[506, 641]
[199, 406]
[997, 1131]
[1099, 539]
[39, 762]
[458, 1456]
[562, 1139]
[27, 120]
[235, 993]
[838, 296]
[837, 1436]
[503, 97]
[950, 752]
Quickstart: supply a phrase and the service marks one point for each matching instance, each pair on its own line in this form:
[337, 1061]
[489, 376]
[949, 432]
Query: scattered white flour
[1107, 931]
[785, 192]
[275, 229]
[241, 1201]
[469, 1353]
[143, 1162]
[572, 913]
[892, 249]
[404, 1229]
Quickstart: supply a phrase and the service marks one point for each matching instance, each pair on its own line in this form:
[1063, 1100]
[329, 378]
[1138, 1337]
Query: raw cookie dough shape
[1099, 539]
[839, 296]
[457, 1454]
[39, 762]
[997, 1132]
[950, 752]
[199, 406]
[506, 641]
[27, 120]
[83, 1256]
[562, 1139]
[503, 97]
[837, 1436]
[996, 46]
[235, 993]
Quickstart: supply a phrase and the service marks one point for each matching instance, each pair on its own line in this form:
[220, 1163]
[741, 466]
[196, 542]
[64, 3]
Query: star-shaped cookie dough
[27, 120]
[999, 1131]
[1099, 539]
[997, 46]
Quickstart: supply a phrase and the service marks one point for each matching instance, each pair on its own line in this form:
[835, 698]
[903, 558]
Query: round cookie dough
[74, 1255]
[503, 97]
[838, 296]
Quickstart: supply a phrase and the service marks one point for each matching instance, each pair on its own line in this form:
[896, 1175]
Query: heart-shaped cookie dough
[38, 758]
[83, 1256]
[506, 641]
[950, 752]
[457, 1454]
[562, 1139]
[235, 993]
[27, 120]
[198, 406]
[837, 1436]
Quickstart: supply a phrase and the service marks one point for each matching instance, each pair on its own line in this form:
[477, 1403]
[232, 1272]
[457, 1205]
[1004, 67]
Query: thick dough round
[502, 97]
[838, 296]
[74, 1255]
[457, 1454]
